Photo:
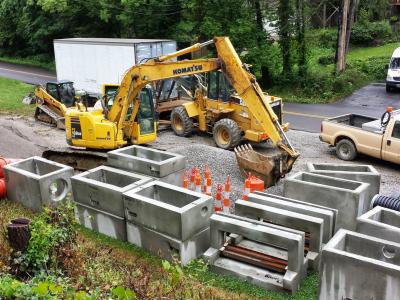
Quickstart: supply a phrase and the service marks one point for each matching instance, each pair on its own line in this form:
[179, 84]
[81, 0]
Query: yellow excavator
[131, 119]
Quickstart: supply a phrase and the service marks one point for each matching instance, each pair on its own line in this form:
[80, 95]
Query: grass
[368, 52]
[103, 262]
[32, 61]
[11, 94]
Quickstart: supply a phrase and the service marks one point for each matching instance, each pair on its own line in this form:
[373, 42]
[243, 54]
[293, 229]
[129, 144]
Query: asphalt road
[370, 100]
[26, 74]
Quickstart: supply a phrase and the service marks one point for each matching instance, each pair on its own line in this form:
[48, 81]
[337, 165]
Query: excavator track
[79, 159]
[45, 115]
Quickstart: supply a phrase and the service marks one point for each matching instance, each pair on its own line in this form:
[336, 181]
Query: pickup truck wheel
[227, 134]
[181, 124]
[346, 150]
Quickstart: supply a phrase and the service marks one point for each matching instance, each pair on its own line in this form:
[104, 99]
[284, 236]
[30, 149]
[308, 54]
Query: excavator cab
[63, 91]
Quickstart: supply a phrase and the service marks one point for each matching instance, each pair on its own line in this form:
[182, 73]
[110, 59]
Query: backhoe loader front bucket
[269, 168]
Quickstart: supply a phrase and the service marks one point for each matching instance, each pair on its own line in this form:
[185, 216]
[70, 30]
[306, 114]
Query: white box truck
[92, 62]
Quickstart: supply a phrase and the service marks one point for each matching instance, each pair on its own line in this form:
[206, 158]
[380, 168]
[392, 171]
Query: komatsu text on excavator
[131, 118]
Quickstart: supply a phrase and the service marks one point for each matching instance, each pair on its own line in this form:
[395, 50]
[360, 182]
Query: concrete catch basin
[380, 222]
[36, 181]
[146, 161]
[168, 209]
[102, 188]
[357, 266]
[100, 221]
[355, 172]
[327, 214]
[167, 247]
[347, 196]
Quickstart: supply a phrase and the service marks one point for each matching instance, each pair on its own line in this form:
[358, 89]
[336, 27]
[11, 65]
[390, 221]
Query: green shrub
[374, 67]
[368, 33]
[323, 38]
[326, 59]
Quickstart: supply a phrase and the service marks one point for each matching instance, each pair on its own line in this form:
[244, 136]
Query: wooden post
[341, 45]
[18, 233]
[324, 15]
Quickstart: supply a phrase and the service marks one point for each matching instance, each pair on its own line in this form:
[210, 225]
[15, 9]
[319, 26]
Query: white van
[393, 74]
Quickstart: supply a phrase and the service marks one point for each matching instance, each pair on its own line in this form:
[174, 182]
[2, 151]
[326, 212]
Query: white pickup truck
[352, 134]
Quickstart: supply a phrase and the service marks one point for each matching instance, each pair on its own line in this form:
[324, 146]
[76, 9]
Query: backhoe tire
[346, 150]
[181, 124]
[227, 134]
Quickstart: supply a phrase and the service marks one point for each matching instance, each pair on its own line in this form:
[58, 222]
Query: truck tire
[389, 89]
[346, 150]
[227, 134]
[181, 124]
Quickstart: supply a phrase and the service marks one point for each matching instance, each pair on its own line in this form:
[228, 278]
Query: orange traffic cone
[208, 186]
[207, 174]
[185, 181]
[198, 183]
[246, 192]
[218, 199]
[3, 192]
[192, 179]
[227, 192]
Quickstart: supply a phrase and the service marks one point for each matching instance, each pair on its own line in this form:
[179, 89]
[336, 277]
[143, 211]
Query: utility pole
[342, 37]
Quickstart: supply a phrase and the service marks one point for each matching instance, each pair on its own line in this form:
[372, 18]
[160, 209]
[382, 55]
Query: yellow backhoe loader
[131, 117]
[216, 108]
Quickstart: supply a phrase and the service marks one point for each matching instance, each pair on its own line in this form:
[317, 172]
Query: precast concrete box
[347, 196]
[36, 181]
[380, 222]
[355, 172]
[166, 208]
[311, 226]
[327, 214]
[264, 254]
[167, 247]
[357, 266]
[102, 188]
[166, 166]
[112, 225]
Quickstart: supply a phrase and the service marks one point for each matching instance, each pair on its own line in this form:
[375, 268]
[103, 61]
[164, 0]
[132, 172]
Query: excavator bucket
[269, 168]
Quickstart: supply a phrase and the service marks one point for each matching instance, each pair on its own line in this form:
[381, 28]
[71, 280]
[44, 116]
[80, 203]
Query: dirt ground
[24, 137]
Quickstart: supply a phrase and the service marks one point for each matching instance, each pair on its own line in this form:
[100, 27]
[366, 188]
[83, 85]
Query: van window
[396, 130]
[395, 63]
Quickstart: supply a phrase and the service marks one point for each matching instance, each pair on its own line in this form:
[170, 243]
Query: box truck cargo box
[92, 62]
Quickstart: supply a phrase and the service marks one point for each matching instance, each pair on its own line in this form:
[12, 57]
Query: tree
[284, 32]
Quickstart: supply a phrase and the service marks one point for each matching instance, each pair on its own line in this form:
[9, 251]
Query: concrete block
[380, 222]
[362, 173]
[36, 181]
[308, 224]
[100, 221]
[102, 188]
[258, 236]
[151, 162]
[168, 247]
[357, 266]
[347, 196]
[168, 209]
[327, 214]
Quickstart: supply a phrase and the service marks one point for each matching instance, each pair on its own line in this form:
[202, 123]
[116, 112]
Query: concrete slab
[168, 209]
[347, 196]
[357, 266]
[35, 182]
[355, 172]
[100, 221]
[168, 247]
[306, 223]
[327, 214]
[102, 188]
[380, 222]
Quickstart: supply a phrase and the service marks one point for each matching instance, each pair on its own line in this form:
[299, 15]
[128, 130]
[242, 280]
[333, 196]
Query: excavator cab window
[145, 115]
[219, 87]
[67, 93]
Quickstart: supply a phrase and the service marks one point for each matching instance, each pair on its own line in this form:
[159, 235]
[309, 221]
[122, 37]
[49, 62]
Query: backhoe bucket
[269, 168]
